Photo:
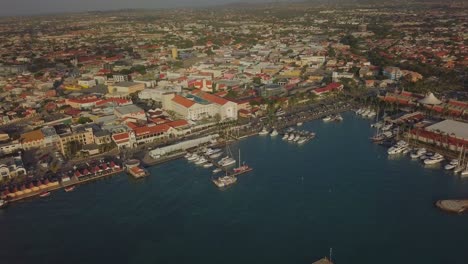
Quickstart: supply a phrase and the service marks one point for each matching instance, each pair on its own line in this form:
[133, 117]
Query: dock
[453, 206]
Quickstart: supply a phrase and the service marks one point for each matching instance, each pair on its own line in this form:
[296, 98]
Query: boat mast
[330, 257]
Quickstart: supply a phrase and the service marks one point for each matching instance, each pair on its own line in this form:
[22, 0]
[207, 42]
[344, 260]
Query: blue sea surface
[338, 191]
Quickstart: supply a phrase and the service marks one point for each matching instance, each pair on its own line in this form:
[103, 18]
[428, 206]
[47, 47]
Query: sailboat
[461, 164]
[243, 167]
[379, 136]
[228, 160]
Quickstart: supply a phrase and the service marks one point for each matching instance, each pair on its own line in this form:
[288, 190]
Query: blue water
[338, 191]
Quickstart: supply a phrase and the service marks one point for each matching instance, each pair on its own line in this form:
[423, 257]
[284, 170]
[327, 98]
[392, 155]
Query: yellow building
[175, 53]
[82, 136]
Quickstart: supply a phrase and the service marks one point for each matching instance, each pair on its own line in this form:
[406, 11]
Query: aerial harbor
[225, 132]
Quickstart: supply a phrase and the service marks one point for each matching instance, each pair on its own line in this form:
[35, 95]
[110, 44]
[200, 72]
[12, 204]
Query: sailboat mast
[239, 159]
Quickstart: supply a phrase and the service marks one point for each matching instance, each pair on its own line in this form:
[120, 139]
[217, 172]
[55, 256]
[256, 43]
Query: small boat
[274, 133]
[193, 157]
[338, 118]
[418, 153]
[227, 162]
[217, 170]
[291, 137]
[69, 188]
[44, 194]
[285, 137]
[201, 161]
[3, 203]
[215, 155]
[327, 119]
[436, 158]
[299, 124]
[264, 132]
[302, 140]
[208, 165]
[298, 136]
[188, 155]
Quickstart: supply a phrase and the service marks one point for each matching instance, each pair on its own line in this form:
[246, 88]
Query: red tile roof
[178, 123]
[183, 101]
[213, 98]
[121, 137]
[151, 129]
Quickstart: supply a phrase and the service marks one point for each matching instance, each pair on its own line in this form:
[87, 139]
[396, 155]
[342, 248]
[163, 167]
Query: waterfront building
[81, 135]
[200, 105]
[124, 140]
[449, 134]
[329, 88]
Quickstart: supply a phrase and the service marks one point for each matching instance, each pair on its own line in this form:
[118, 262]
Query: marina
[327, 197]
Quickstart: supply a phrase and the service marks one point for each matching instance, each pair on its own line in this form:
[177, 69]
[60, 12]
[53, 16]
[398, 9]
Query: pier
[453, 206]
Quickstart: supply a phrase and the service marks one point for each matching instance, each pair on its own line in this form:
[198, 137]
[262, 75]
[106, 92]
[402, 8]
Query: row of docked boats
[203, 158]
[330, 118]
[299, 137]
[366, 112]
[429, 158]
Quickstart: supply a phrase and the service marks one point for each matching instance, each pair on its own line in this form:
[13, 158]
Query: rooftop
[128, 109]
[460, 129]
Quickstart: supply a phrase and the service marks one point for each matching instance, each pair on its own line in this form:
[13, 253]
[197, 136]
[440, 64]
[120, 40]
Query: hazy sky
[24, 7]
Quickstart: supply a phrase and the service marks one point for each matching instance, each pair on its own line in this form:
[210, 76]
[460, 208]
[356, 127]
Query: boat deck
[323, 261]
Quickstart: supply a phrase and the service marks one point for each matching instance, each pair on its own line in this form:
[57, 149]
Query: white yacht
[188, 155]
[371, 114]
[418, 153]
[193, 157]
[286, 136]
[264, 132]
[327, 119]
[302, 140]
[274, 133]
[291, 137]
[297, 138]
[436, 158]
[338, 118]
[387, 127]
[215, 155]
[217, 170]
[464, 173]
[451, 165]
[399, 147]
[201, 161]
[299, 124]
[426, 155]
[226, 162]
[208, 165]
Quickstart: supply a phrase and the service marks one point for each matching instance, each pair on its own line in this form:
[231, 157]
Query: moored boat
[264, 132]
[208, 165]
[3, 203]
[327, 119]
[217, 170]
[44, 194]
[274, 133]
[69, 188]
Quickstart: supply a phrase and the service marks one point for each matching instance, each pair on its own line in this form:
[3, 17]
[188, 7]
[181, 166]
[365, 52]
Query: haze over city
[31, 7]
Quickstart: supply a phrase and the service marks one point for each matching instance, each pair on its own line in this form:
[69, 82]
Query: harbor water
[337, 191]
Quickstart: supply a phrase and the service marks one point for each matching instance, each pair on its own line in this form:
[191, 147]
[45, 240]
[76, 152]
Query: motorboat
[201, 160]
[298, 136]
[274, 133]
[226, 161]
[327, 119]
[285, 137]
[451, 165]
[436, 158]
[44, 194]
[299, 124]
[264, 132]
[69, 188]
[427, 155]
[217, 170]
[302, 140]
[208, 165]
[215, 155]
[418, 153]
[224, 181]
[291, 137]
[188, 155]
[193, 157]
[338, 118]
[3, 203]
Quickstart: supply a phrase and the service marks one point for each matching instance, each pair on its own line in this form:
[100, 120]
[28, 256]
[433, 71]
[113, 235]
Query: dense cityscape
[85, 96]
